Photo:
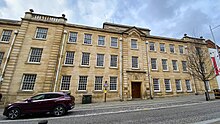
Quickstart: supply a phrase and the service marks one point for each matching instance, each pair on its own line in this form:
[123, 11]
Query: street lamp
[211, 29]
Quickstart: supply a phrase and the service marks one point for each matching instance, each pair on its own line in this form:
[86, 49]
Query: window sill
[97, 91]
[113, 47]
[33, 63]
[113, 67]
[84, 66]
[87, 44]
[157, 91]
[173, 53]
[66, 65]
[81, 91]
[163, 52]
[177, 71]
[135, 68]
[100, 67]
[39, 39]
[71, 42]
[112, 91]
[180, 91]
[4, 42]
[134, 49]
[101, 46]
[189, 91]
[166, 71]
[154, 51]
[154, 70]
[185, 72]
[169, 91]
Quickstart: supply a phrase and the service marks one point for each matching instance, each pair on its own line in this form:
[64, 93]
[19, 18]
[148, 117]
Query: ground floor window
[98, 83]
[167, 85]
[113, 83]
[188, 85]
[82, 83]
[178, 85]
[156, 84]
[65, 82]
[28, 82]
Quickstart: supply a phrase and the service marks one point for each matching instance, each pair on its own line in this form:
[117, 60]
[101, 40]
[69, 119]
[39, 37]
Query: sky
[167, 18]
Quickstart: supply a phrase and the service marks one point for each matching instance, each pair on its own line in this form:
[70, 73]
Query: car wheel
[14, 113]
[59, 110]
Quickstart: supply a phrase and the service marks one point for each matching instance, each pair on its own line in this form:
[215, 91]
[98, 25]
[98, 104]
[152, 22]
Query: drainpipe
[60, 58]
[121, 57]
[148, 70]
[8, 55]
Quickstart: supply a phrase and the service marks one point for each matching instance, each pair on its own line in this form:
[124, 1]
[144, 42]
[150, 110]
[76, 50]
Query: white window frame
[22, 83]
[116, 42]
[70, 35]
[83, 84]
[31, 53]
[166, 64]
[136, 57]
[87, 39]
[151, 64]
[96, 83]
[173, 48]
[177, 68]
[82, 59]
[164, 47]
[71, 58]
[4, 30]
[186, 66]
[182, 49]
[37, 32]
[136, 42]
[98, 40]
[65, 83]
[169, 84]
[116, 62]
[158, 83]
[176, 81]
[97, 59]
[1, 57]
[189, 85]
[154, 46]
[116, 83]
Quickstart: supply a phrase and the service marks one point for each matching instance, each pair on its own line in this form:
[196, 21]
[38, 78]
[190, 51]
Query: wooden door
[136, 89]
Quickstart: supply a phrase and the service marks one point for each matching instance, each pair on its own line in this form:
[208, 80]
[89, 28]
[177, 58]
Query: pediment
[134, 32]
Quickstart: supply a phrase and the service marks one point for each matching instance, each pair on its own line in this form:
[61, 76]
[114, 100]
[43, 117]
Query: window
[153, 64]
[1, 57]
[38, 97]
[35, 55]
[73, 37]
[114, 61]
[184, 65]
[6, 35]
[82, 82]
[114, 42]
[134, 44]
[85, 58]
[162, 47]
[88, 39]
[152, 47]
[188, 85]
[164, 64]
[178, 85]
[181, 49]
[28, 81]
[69, 57]
[100, 60]
[65, 84]
[113, 83]
[134, 62]
[101, 41]
[172, 50]
[207, 85]
[41, 33]
[167, 85]
[98, 82]
[175, 67]
[156, 84]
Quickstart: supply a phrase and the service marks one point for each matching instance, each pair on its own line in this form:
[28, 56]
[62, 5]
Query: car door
[49, 102]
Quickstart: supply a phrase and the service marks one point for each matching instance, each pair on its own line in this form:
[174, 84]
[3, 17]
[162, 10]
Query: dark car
[57, 103]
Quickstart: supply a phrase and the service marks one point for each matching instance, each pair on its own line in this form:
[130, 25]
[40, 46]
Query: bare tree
[200, 66]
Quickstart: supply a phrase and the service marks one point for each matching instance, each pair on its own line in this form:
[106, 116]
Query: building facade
[43, 53]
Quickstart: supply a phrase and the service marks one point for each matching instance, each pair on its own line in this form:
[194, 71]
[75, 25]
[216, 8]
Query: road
[168, 111]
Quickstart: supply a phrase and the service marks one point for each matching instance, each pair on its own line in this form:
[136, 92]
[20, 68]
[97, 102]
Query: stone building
[43, 53]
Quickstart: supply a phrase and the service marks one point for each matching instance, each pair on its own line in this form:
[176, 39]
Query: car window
[38, 97]
[51, 96]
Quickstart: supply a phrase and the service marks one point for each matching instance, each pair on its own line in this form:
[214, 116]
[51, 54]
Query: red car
[57, 103]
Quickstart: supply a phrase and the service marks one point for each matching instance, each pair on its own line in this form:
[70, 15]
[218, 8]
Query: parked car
[57, 103]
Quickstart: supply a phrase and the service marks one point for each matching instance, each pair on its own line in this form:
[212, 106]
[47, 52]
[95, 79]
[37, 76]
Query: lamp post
[211, 29]
[105, 89]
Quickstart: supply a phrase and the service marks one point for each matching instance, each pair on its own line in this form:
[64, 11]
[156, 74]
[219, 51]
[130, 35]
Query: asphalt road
[168, 112]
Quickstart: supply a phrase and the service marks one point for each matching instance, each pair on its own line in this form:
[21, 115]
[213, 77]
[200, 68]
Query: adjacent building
[43, 53]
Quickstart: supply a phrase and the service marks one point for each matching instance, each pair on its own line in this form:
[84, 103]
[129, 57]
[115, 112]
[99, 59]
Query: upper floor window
[82, 83]
[162, 47]
[188, 85]
[167, 85]
[65, 84]
[101, 41]
[100, 60]
[35, 55]
[69, 57]
[114, 61]
[184, 65]
[134, 62]
[181, 49]
[41, 33]
[152, 46]
[88, 39]
[113, 83]
[164, 64]
[73, 37]
[156, 84]
[28, 82]
[172, 49]
[175, 66]
[178, 85]
[134, 44]
[6, 35]
[114, 42]
[85, 58]
[153, 63]
[98, 83]
[1, 57]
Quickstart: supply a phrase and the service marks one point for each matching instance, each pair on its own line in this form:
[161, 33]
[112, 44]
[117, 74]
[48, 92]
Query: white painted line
[106, 113]
[208, 121]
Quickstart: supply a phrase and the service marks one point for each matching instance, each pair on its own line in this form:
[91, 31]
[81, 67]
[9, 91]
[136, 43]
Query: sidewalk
[179, 99]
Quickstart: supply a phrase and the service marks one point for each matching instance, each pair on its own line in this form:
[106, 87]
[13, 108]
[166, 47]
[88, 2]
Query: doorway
[136, 89]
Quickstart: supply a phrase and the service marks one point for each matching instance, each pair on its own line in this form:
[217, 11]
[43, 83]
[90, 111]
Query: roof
[10, 22]
[124, 26]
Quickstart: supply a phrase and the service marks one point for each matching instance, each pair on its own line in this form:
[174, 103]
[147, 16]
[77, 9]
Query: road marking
[208, 121]
[106, 113]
